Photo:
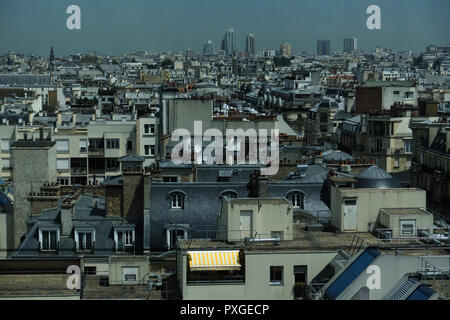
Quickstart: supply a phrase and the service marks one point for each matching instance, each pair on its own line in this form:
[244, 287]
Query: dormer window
[177, 200]
[49, 239]
[124, 239]
[297, 199]
[230, 194]
[85, 239]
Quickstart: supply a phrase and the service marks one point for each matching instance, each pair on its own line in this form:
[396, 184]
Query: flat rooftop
[405, 211]
[304, 240]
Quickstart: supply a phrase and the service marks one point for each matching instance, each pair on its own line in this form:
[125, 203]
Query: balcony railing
[81, 171]
[214, 279]
[86, 250]
[50, 250]
[120, 247]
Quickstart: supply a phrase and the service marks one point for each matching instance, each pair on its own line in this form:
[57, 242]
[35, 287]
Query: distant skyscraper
[228, 43]
[350, 45]
[208, 48]
[52, 55]
[323, 47]
[285, 49]
[250, 47]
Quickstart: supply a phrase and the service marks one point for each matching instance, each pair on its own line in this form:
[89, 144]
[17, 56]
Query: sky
[114, 27]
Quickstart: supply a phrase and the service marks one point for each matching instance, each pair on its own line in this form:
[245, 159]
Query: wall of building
[268, 215]
[116, 265]
[6, 233]
[257, 277]
[370, 201]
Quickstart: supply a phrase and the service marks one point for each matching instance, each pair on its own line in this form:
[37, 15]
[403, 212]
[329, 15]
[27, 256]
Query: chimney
[262, 186]
[30, 118]
[58, 119]
[74, 119]
[66, 217]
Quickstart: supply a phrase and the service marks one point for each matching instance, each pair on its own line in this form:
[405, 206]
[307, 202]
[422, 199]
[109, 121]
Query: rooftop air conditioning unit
[346, 168]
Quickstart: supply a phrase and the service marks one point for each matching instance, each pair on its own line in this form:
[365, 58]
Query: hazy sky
[119, 26]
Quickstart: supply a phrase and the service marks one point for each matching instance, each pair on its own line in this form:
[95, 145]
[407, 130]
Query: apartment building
[87, 154]
[431, 163]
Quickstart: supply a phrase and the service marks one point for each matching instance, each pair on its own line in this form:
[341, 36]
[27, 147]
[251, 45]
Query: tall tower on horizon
[323, 47]
[52, 54]
[228, 42]
[250, 47]
[350, 45]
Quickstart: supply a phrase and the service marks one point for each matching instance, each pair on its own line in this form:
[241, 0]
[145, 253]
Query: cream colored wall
[370, 201]
[257, 276]
[115, 270]
[6, 234]
[267, 217]
[392, 221]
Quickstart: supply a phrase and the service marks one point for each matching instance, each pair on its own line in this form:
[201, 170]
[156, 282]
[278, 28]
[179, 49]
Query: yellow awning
[214, 260]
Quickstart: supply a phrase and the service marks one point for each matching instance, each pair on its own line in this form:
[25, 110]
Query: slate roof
[86, 214]
[203, 202]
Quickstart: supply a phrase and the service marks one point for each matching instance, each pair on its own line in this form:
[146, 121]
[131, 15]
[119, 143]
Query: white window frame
[84, 232]
[83, 144]
[129, 236]
[41, 237]
[177, 200]
[297, 200]
[6, 161]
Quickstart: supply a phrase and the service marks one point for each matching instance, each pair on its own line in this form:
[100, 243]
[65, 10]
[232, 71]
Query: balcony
[120, 247]
[96, 152]
[51, 249]
[214, 277]
[78, 171]
[88, 249]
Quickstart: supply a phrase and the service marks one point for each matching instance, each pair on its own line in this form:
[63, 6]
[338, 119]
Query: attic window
[297, 199]
[177, 199]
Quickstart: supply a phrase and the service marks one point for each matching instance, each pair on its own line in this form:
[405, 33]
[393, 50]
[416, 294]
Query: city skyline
[141, 26]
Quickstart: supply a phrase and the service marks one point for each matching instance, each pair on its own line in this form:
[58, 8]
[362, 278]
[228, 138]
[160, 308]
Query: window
[396, 162]
[48, 239]
[62, 146]
[230, 194]
[170, 179]
[178, 200]
[112, 143]
[83, 145]
[90, 270]
[408, 227]
[276, 275]
[62, 164]
[396, 92]
[124, 238]
[323, 117]
[297, 200]
[112, 164]
[408, 95]
[85, 240]
[149, 128]
[408, 144]
[6, 145]
[149, 150]
[6, 164]
[63, 181]
[129, 145]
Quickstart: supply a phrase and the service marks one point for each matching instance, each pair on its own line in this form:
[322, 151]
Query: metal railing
[124, 248]
[214, 279]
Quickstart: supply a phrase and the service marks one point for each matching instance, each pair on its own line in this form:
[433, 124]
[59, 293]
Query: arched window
[177, 199]
[297, 199]
[229, 194]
